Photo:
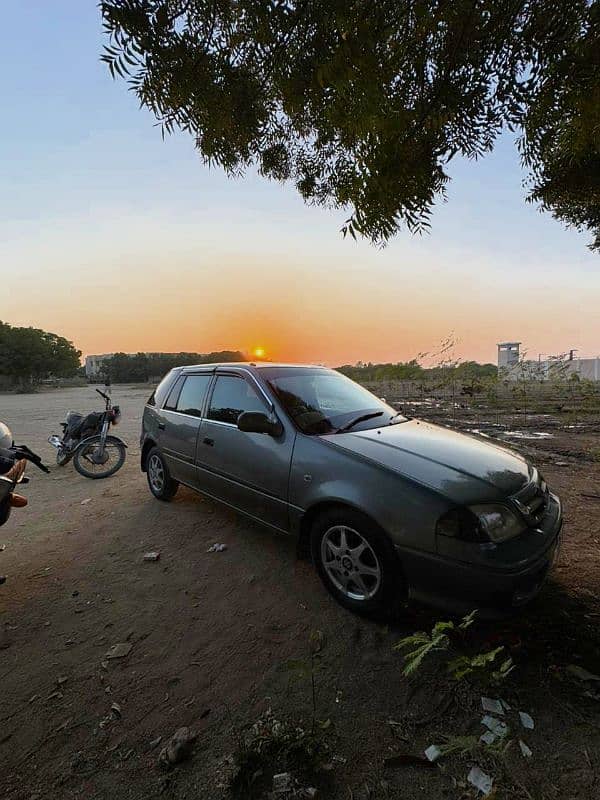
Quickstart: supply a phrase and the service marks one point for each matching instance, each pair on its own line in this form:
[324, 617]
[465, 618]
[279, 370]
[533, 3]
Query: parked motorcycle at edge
[13, 460]
[86, 440]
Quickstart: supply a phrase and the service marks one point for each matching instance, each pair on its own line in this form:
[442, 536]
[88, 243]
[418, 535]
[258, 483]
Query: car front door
[250, 471]
[181, 417]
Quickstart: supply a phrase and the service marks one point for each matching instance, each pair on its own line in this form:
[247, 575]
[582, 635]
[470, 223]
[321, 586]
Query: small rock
[154, 555]
[119, 650]
[86, 501]
[282, 782]
[217, 548]
[61, 679]
[178, 748]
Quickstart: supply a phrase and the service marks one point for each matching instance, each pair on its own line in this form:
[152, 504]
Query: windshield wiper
[362, 418]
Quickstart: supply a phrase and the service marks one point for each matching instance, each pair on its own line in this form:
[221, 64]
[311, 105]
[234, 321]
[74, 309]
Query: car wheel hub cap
[156, 473]
[350, 562]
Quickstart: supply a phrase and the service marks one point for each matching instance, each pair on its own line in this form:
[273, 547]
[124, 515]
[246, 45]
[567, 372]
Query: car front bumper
[460, 587]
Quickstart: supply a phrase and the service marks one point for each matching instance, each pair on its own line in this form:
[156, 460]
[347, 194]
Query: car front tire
[358, 563]
[160, 482]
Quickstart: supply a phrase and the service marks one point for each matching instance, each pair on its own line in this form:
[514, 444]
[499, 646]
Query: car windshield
[322, 401]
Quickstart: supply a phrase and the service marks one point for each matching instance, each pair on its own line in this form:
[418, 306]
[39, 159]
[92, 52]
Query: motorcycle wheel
[114, 452]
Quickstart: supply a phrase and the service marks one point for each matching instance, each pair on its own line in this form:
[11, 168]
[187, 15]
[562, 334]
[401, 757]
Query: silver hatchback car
[390, 508]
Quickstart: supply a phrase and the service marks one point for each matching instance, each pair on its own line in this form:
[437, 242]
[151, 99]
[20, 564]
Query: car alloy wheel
[156, 473]
[350, 563]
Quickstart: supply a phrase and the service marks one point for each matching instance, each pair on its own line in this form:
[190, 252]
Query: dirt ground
[211, 634]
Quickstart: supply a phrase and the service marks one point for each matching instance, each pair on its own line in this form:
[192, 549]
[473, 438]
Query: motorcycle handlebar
[105, 396]
[18, 452]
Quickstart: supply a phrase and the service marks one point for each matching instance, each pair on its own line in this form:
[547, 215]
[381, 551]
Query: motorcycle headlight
[499, 522]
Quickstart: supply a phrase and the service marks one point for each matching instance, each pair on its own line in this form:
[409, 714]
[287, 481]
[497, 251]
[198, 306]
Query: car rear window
[158, 396]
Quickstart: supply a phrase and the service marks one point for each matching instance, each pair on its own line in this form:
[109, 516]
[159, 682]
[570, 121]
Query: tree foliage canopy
[465, 372]
[28, 355]
[362, 104]
[141, 367]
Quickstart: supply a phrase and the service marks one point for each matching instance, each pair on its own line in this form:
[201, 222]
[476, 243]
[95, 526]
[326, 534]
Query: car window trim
[185, 376]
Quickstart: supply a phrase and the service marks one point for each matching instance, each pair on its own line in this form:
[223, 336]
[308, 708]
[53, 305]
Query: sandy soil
[212, 632]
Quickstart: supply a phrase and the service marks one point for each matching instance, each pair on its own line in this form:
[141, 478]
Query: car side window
[193, 392]
[158, 395]
[232, 396]
[171, 403]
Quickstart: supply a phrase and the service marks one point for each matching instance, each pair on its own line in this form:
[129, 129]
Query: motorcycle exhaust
[55, 441]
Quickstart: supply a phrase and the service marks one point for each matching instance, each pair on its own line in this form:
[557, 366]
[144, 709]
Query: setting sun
[258, 352]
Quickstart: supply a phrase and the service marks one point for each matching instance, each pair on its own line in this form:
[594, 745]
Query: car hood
[463, 468]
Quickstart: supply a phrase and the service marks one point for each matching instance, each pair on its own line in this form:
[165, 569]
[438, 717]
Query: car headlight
[491, 522]
[499, 522]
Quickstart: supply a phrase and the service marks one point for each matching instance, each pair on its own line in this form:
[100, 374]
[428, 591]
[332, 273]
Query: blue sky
[118, 240]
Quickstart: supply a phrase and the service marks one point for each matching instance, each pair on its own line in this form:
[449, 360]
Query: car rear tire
[358, 563]
[160, 482]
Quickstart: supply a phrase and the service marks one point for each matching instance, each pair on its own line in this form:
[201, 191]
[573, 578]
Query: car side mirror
[257, 422]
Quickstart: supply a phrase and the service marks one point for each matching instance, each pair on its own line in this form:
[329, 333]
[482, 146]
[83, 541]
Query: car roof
[250, 365]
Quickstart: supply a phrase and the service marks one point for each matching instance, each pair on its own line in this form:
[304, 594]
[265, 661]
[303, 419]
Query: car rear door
[182, 417]
[250, 471]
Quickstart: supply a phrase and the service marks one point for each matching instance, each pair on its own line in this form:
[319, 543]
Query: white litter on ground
[525, 751]
[217, 548]
[496, 726]
[491, 705]
[433, 752]
[480, 780]
[526, 720]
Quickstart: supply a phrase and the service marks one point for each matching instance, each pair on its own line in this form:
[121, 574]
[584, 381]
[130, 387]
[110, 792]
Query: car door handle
[209, 442]
[161, 426]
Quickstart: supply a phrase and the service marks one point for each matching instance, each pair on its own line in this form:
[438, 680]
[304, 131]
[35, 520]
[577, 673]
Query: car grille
[532, 501]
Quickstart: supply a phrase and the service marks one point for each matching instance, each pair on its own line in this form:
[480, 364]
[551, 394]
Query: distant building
[94, 365]
[512, 367]
[508, 354]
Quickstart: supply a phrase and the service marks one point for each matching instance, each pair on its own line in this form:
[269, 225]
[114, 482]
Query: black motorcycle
[86, 440]
[13, 461]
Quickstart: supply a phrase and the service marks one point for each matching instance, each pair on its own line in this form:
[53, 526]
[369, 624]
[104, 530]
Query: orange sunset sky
[120, 241]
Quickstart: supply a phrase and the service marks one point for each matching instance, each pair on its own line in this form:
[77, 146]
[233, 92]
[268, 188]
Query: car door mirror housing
[257, 422]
